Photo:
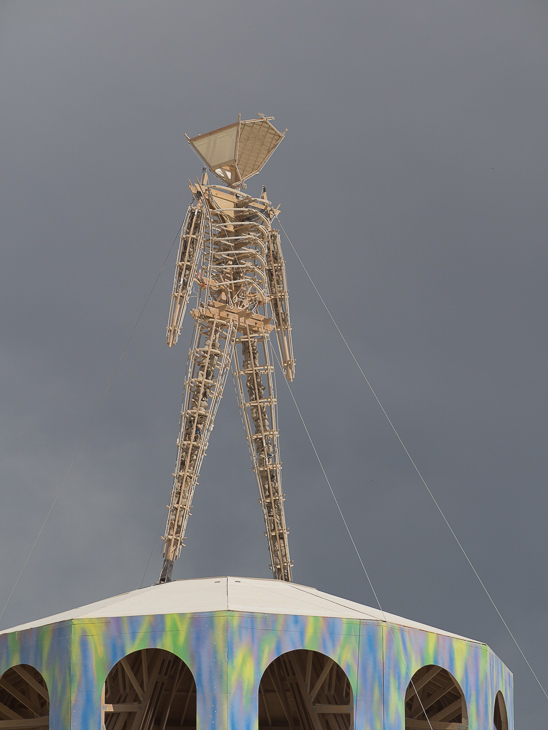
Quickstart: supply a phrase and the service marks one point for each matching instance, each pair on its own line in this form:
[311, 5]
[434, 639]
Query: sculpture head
[238, 151]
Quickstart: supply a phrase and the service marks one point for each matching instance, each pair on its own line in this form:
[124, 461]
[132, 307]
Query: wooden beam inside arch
[305, 690]
[28, 723]
[24, 699]
[434, 701]
[149, 689]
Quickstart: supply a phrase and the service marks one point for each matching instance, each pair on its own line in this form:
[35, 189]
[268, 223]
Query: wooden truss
[434, 701]
[149, 689]
[305, 690]
[231, 253]
[24, 699]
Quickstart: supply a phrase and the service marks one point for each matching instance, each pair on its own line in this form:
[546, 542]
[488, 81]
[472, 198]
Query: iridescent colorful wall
[228, 651]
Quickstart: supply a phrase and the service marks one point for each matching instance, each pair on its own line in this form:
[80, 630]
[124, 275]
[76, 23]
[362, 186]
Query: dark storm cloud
[413, 183]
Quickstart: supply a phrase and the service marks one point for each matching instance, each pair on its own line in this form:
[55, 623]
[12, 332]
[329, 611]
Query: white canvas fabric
[249, 595]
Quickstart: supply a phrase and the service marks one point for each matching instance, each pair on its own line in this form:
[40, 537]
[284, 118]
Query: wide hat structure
[238, 151]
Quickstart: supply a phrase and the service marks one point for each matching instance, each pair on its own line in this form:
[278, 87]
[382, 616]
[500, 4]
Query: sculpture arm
[279, 302]
[190, 247]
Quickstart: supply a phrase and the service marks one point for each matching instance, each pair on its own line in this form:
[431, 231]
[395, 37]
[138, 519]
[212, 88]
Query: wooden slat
[308, 676]
[30, 680]
[281, 694]
[120, 720]
[427, 702]
[307, 708]
[416, 686]
[24, 723]
[424, 725]
[132, 678]
[174, 686]
[333, 709]
[448, 711]
[321, 679]
[5, 710]
[187, 701]
[20, 697]
[262, 696]
[123, 707]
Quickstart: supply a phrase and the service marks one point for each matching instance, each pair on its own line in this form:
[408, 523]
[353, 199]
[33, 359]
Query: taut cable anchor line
[231, 254]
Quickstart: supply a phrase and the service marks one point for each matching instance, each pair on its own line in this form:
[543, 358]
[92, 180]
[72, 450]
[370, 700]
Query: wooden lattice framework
[230, 253]
[434, 701]
[149, 689]
[306, 690]
[24, 699]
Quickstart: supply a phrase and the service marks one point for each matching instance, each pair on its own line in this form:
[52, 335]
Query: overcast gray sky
[413, 183]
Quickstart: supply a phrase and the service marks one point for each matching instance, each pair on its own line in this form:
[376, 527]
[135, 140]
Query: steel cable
[415, 467]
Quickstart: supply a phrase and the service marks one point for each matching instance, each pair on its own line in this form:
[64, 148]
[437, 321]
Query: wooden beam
[333, 709]
[5, 710]
[132, 678]
[321, 678]
[262, 695]
[174, 687]
[123, 707]
[416, 686]
[308, 675]
[145, 670]
[30, 723]
[427, 702]
[20, 697]
[187, 702]
[40, 688]
[448, 711]
[278, 685]
[308, 708]
[424, 725]
[121, 718]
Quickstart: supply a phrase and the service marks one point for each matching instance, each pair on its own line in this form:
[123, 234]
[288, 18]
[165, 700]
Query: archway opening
[500, 716]
[306, 690]
[434, 701]
[149, 689]
[24, 699]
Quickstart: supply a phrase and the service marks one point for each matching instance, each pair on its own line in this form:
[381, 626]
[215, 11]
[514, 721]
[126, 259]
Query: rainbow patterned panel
[47, 649]
[228, 651]
[478, 671]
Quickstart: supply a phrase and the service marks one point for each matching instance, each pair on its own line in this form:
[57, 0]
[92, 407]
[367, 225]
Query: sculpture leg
[258, 404]
[208, 362]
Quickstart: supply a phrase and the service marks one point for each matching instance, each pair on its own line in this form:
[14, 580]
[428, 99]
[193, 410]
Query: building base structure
[246, 654]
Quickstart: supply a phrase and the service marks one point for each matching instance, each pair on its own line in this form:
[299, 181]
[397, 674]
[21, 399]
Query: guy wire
[381, 609]
[328, 482]
[415, 467]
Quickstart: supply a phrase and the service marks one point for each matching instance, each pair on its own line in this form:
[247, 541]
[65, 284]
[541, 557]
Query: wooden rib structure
[434, 701]
[305, 690]
[231, 253]
[24, 699]
[150, 689]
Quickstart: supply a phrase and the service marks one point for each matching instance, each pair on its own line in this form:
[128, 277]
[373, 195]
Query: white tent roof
[251, 595]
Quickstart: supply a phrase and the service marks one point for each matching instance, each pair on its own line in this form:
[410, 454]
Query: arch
[434, 701]
[24, 699]
[148, 688]
[306, 690]
[500, 715]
